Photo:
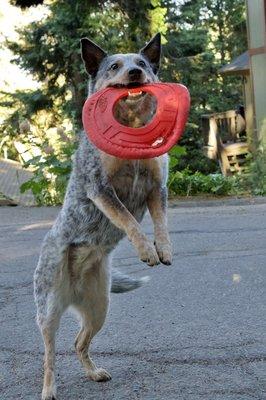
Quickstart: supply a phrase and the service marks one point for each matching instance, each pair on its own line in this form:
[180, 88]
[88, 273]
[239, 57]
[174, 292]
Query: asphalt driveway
[196, 331]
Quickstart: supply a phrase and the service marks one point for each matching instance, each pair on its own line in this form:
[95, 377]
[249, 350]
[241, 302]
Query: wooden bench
[225, 140]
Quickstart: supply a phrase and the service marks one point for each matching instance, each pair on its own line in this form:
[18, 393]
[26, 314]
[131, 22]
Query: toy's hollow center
[136, 109]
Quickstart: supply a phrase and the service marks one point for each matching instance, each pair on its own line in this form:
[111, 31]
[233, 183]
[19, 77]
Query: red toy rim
[151, 140]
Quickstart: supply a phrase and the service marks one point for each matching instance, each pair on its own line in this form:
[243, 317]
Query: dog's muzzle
[134, 74]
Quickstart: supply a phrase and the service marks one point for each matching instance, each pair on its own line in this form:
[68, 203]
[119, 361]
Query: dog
[106, 199]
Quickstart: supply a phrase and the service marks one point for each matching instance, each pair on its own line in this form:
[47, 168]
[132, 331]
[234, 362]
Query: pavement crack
[17, 286]
[143, 356]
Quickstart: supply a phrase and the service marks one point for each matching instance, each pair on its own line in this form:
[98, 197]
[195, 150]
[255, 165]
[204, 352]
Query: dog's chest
[132, 182]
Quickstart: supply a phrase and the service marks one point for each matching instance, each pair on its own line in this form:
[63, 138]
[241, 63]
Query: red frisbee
[151, 140]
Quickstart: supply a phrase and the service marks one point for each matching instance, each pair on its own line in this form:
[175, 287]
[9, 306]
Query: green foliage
[199, 36]
[175, 156]
[185, 183]
[255, 178]
[49, 49]
[51, 174]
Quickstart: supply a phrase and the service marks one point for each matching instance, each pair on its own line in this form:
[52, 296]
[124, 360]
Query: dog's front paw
[99, 375]
[164, 251]
[148, 254]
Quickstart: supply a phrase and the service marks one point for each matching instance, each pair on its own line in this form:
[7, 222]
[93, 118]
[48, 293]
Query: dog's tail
[123, 283]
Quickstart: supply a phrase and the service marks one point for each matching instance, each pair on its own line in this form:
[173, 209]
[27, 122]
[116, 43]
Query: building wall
[249, 109]
[256, 17]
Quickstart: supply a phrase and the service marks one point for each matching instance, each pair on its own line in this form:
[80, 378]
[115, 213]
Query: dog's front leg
[108, 202]
[157, 205]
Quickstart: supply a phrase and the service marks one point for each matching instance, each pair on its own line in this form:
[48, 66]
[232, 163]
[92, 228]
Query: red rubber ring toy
[151, 140]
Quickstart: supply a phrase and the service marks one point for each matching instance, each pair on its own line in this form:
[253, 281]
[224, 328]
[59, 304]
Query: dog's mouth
[132, 97]
[137, 108]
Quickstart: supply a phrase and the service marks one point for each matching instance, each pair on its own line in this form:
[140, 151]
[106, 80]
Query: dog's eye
[142, 63]
[114, 66]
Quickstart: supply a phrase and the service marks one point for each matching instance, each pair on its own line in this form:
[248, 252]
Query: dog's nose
[134, 73]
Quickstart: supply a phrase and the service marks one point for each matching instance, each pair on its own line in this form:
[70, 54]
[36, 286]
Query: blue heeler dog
[105, 200]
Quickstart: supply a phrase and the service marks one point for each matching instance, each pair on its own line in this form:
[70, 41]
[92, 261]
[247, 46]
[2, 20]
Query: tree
[198, 35]
[202, 36]
[49, 49]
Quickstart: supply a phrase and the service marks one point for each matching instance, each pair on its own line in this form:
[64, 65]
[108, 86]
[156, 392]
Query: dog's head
[119, 70]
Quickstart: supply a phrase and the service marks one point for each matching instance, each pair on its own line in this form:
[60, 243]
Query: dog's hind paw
[99, 375]
[49, 397]
[49, 393]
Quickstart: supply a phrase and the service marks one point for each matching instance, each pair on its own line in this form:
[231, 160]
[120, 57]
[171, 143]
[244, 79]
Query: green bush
[51, 175]
[185, 183]
[255, 178]
[52, 171]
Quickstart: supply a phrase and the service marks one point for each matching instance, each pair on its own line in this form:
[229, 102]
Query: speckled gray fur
[81, 222]
[73, 268]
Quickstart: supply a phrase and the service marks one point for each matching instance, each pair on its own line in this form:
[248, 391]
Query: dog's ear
[152, 51]
[92, 55]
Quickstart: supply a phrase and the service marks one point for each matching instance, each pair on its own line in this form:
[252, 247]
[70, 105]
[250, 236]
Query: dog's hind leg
[92, 309]
[51, 303]
[48, 329]
[82, 344]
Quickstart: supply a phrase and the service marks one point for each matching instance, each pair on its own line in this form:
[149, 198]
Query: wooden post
[256, 25]
[249, 108]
